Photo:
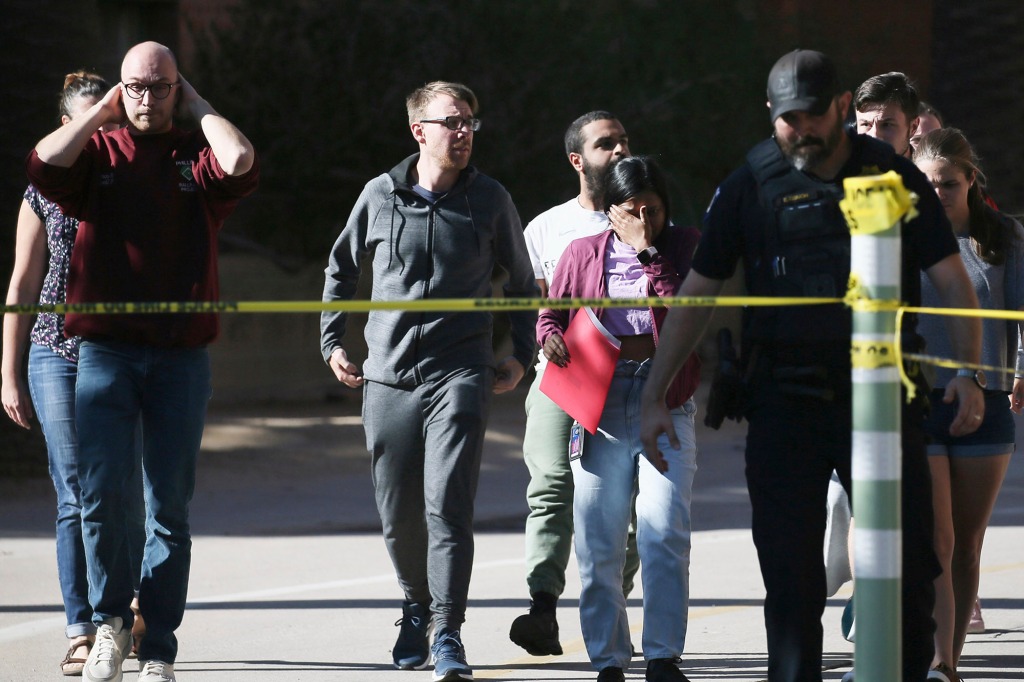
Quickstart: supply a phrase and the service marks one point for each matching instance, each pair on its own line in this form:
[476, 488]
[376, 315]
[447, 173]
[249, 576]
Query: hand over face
[637, 232]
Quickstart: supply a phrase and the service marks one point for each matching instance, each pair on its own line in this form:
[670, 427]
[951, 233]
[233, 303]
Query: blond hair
[418, 100]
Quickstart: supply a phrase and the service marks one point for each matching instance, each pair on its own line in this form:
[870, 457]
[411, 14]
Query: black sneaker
[664, 670]
[537, 631]
[450, 657]
[611, 674]
[412, 648]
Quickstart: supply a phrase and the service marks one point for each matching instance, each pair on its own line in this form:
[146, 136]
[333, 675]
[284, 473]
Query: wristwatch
[647, 255]
[975, 375]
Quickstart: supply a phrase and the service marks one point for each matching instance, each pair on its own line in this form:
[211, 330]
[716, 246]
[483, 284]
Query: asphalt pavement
[290, 579]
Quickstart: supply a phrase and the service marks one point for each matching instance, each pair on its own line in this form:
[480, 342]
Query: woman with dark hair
[642, 255]
[968, 471]
[45, 238]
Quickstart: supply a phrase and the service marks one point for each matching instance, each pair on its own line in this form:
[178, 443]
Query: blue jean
[51, 381]
[549, 496]
[168, 389]
[612, 467]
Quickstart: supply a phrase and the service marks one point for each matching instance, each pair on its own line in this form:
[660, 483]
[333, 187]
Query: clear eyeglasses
[455, 122]
[158, 90]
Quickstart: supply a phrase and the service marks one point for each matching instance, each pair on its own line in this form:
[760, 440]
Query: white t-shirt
[549, 234]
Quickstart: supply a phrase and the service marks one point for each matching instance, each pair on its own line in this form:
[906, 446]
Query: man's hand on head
[187, 97]
[112, 107]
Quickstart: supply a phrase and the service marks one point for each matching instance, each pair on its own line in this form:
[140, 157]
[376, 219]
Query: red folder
[581, 387]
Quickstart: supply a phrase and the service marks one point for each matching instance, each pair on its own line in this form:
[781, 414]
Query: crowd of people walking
[124, 205]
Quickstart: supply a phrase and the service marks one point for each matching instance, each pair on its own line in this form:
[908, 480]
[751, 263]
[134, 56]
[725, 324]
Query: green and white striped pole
[874, 207]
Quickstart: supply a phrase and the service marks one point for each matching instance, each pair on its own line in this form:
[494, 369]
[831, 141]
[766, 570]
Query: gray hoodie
[421, 250]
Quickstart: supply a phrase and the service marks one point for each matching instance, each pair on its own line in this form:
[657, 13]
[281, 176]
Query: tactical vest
[805, 251]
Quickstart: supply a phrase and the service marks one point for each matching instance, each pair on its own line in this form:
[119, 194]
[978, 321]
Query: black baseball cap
[802, 80]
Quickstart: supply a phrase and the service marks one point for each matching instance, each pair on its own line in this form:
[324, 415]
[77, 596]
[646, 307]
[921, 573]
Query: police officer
[778, 213]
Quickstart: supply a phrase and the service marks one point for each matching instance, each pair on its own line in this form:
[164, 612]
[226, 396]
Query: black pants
[793, 445]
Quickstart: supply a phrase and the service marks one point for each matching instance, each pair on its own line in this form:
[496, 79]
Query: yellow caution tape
[423, 305]
[874, 203]
[872, 354]
[970, 312]
[908, 382]
[864, 354]
[855, 298]
[955, 364]
[859, 299]
[855, 291]
[946, 362]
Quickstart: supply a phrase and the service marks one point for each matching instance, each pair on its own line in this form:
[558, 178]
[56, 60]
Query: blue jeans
[168, 388]
[549, 495]
[612, 467]
[51, 381]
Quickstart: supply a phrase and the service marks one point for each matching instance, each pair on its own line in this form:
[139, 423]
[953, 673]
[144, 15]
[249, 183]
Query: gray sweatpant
[426, 443]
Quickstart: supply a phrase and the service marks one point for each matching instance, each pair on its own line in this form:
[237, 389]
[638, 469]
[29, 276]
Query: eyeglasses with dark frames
[455, 122]
[158, 90]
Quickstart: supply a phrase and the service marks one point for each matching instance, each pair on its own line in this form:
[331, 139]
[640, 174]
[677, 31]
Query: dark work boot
[664, 670]
[537, 631]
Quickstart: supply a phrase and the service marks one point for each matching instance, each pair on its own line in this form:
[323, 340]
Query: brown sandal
[72, 666]
[138, 629]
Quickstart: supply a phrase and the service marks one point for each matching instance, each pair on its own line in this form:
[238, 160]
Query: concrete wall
[266, 357]
[269, 357]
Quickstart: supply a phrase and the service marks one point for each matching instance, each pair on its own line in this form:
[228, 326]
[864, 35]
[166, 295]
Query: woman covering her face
[641, 255]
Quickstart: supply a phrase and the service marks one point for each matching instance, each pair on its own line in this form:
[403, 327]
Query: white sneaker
[113, 642]
[156, 671]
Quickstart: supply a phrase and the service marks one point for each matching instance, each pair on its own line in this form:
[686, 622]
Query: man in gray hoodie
[435, 228]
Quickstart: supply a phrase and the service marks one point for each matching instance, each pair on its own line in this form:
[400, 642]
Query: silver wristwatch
[975, 375]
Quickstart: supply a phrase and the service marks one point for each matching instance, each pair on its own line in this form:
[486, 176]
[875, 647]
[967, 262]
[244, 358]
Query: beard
[596, 177]
[153, 121]
[807, 152]
[448, 158]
